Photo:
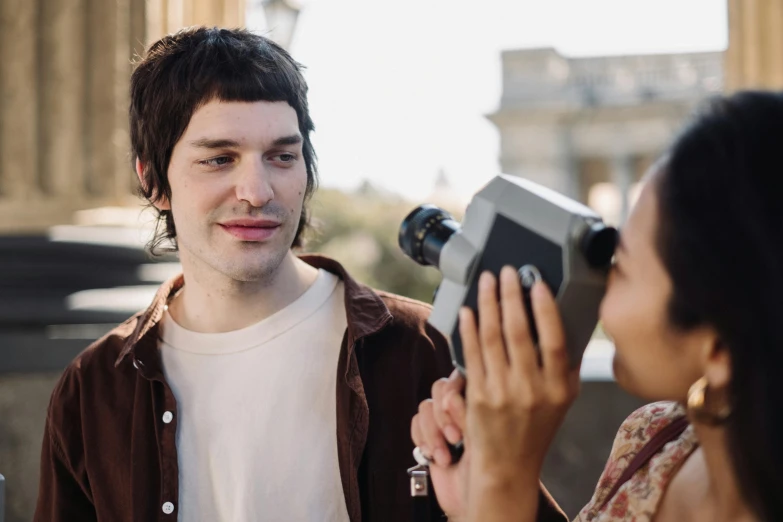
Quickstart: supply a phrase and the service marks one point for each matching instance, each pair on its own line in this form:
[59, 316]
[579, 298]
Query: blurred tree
[359, 230]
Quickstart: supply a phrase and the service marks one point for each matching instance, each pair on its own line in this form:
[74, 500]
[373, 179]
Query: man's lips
[251, 229]
[251, 222]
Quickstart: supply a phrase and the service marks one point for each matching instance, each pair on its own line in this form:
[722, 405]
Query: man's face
[238, 181]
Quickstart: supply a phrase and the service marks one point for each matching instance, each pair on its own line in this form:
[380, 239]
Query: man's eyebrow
[293, 139]
[209, 143]
[222, 143]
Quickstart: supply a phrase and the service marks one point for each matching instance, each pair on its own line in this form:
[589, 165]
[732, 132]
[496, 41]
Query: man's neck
[215, 304]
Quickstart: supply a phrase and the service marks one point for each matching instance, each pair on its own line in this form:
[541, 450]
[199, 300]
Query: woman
[694, 305]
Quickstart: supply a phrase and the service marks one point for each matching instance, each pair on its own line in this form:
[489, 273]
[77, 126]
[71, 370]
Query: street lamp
[281, 18]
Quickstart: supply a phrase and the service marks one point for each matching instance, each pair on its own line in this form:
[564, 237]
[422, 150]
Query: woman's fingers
[468, 332]
[493, 349]
[454, 404]
[455, 382]
[516, 403]
[434, 444]
[516, 330]
[551, 337]
[441, 389]
[502, 341]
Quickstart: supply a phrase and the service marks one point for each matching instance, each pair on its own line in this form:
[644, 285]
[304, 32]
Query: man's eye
[287, 158]
[220, 161]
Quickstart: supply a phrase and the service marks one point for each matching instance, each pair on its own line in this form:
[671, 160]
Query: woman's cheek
[607, 311]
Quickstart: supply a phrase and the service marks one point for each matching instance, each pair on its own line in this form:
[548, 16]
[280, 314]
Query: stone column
[18, 99]
[168, 16]
[754, 58]
[100, 96]
[62, 110]
[623, 177]
[568, 163]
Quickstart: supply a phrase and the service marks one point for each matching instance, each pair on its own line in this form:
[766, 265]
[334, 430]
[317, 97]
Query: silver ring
[420, 458]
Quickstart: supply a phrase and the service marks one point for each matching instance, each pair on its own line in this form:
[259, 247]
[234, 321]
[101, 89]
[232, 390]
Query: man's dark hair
[183, 71]
[721, 240]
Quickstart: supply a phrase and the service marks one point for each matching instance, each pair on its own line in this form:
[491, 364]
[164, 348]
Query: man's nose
[253, 184]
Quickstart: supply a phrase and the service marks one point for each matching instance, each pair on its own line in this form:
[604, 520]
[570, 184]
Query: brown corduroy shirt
[108, 454]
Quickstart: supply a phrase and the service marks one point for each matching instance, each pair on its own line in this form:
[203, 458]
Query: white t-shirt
[257, 421]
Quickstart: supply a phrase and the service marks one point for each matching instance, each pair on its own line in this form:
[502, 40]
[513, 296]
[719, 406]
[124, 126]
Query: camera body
[513, 221]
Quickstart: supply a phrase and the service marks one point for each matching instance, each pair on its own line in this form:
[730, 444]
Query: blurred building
[64, 70]
[589, 127]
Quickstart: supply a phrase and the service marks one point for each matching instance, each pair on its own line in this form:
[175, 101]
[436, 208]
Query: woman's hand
[516, 398]
[441, 420]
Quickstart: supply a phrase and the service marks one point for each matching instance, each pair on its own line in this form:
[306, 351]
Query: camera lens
[598, 244]
[424, 232]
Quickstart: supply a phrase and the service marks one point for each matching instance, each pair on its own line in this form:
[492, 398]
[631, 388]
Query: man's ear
[140, 170]
[162, 202]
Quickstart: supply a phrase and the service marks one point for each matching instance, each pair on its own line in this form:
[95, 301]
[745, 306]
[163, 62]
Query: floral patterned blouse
[637, 500]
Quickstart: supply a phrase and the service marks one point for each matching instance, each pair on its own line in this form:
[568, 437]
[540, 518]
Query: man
[258, 385]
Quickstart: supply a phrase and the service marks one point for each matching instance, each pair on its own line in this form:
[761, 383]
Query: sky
[399, 89]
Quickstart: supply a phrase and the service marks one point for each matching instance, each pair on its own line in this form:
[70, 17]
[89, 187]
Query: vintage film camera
[512, 221]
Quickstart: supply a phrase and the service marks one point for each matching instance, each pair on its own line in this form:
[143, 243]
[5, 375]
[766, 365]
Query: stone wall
[23, 402]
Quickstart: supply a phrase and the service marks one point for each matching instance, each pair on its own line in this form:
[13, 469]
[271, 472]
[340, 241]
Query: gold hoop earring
[697, 405]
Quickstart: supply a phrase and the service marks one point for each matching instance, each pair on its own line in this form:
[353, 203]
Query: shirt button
[168, 508]
[167, 417]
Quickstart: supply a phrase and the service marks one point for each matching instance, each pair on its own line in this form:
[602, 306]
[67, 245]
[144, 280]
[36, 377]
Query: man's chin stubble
[263, 271]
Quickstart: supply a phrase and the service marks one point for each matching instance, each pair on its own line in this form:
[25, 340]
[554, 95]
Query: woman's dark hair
[185, 70]
[721, 240]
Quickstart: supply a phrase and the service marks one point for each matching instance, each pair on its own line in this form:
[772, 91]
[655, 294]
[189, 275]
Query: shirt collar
[366, 312]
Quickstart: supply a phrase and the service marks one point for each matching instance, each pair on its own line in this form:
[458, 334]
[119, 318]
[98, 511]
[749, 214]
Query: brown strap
[655, 444]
